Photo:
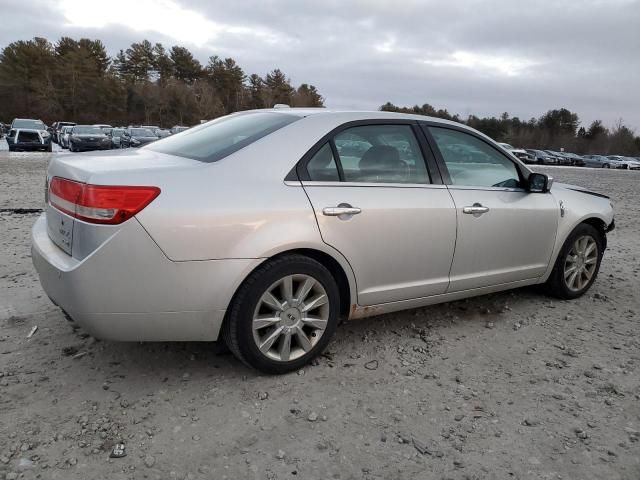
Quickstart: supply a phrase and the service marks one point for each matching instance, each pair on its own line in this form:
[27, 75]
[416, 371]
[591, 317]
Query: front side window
[219, 138]
[473, 162]
[381, 154]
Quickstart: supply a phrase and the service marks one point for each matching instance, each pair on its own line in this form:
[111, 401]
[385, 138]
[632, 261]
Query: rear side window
[381, 154]
[370, 154]
[219, 138]
[322, 166]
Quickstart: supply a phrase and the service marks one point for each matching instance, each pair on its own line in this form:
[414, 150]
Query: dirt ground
[513, 385]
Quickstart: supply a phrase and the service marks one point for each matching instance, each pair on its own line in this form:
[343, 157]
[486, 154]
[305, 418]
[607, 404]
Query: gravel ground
[511, 385]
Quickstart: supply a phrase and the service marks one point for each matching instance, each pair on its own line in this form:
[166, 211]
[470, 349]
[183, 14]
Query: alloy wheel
[581, 262]
[290, 317]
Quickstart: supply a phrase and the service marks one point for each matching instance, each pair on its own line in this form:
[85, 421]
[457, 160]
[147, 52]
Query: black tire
[606, 165]
[12, 149]
[71, 149]
[237, 329]
[50, 147]
[556, 285]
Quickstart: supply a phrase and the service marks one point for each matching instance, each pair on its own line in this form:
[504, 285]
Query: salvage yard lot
[511, 385]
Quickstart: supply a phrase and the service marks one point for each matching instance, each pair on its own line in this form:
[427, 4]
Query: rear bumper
[128, 290]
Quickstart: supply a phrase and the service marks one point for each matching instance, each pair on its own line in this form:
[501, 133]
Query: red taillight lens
[112, 204]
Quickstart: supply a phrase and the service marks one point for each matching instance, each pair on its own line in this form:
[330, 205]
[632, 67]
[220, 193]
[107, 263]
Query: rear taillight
[106, 204]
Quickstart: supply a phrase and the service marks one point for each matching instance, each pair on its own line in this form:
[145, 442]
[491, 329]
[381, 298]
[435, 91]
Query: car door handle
[340, 210]
[477, 209]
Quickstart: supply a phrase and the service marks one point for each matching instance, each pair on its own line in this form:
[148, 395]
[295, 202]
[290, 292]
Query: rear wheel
[606, 165]
[283, 315]
[578, 263]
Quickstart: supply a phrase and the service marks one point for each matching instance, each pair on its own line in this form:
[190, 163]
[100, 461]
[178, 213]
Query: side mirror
[539, 183]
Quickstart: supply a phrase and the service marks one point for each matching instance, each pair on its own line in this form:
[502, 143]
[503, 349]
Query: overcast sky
[482, 57]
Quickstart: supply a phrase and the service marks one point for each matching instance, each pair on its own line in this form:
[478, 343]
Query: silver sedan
[268, 227]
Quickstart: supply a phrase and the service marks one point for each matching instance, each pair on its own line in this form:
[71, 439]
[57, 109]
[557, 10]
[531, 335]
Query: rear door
[377, 203]
[505, 233]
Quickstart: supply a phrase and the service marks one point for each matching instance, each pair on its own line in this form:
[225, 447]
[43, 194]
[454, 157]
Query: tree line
[556, 129]
[76, 80]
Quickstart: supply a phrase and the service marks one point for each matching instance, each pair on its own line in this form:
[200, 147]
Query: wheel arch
[339, 268]
[599, 223]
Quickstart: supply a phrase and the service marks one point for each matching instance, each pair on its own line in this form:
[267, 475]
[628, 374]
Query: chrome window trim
[488, 189]
[313, 183]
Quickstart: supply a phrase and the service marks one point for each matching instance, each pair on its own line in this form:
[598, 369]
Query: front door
[375, 203]
[505, 233]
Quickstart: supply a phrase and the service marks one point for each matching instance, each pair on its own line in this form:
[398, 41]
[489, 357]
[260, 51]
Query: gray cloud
[480, 57]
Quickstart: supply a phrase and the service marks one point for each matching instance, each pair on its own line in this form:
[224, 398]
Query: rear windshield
[219, 138]
[30, 124]
[87, 131]
[141, 132]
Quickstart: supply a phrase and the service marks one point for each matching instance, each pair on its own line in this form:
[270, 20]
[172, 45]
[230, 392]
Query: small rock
[489, 325]
[118, 451]
[72, 461]
[263, 396]
[371, 365]
[313, 416]
[280, 454]
[149, 461]
[458, 417]
[531, 422]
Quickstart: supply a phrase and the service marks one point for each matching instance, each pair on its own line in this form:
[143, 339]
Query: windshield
[87, 131]
[215, 140]
[141, 132]
[31, 124]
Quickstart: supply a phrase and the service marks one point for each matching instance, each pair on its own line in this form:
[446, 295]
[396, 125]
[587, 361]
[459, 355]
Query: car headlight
[45, 134]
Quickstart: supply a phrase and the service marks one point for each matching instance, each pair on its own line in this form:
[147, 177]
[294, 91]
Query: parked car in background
[542, 157]
[84, 138]
[632, 163]
[627, 163]
[103, 126]
[598, 161]
[138, 137]
[177, 129]
[520, 153]
[28, 134]
[561, 158]
[116, 135]
[258, 229]
[576, 159]
[64, 136]
[162, 132]
[57, 130]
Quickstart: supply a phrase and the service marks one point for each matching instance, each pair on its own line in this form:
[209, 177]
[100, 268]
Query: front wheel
[283, 315]
[606, 165]
[578, 263]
